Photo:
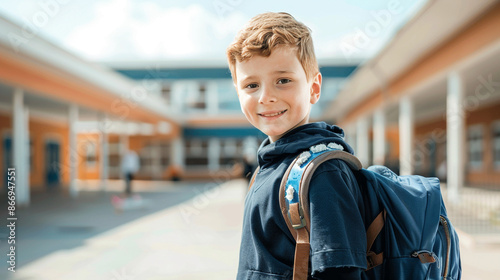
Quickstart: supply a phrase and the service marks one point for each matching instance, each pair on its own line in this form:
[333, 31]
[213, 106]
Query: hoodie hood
[299, 140]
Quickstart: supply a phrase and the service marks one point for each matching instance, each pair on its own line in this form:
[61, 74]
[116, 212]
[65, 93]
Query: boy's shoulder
[333, 170]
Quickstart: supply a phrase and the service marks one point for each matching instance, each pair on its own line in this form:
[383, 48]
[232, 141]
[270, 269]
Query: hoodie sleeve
[338, 237]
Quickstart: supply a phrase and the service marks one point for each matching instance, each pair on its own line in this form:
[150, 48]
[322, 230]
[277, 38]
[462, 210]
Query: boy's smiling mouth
[272, 113]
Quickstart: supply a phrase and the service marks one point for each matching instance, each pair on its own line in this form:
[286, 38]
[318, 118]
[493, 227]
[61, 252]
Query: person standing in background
[129, 166]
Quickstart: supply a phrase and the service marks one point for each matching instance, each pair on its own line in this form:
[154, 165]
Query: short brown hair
[266, 32]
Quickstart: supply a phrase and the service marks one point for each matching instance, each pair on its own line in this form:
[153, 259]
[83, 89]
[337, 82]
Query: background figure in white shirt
[129, 166]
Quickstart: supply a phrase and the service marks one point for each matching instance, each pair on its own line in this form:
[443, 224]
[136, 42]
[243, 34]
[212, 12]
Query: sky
[135, 30]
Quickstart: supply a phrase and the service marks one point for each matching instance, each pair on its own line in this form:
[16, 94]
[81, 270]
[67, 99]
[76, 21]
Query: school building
[215, 134]
[64, 119]
[429, 101]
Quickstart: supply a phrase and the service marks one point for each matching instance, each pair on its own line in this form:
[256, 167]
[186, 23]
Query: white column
[156, 161]
[250, 147]
[104, 153]
[405, 136]
[177, 96]
[350, 136]
[177, 153]
[362, 141]
[124, 145]
[214, 154]
[212, 98]
[379, 137]
[455, 128]
[27, 168]
[20, 142]
[124, 148]
[24, 175]
[73, 152]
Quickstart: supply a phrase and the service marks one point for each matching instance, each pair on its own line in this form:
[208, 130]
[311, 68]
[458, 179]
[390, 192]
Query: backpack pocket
[444, 232]
[408, 268]
[446, 247]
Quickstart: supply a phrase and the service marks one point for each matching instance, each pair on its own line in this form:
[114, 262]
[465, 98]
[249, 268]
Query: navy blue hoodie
[338, 237]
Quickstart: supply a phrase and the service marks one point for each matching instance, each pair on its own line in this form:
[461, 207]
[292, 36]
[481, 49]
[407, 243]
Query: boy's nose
[267, 96]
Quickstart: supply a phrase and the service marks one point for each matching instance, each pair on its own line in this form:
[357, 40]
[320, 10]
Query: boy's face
[274, 92]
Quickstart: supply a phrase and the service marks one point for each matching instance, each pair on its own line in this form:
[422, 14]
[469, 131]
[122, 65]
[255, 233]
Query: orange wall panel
[472, 39]
[84, 142]
[40, 132]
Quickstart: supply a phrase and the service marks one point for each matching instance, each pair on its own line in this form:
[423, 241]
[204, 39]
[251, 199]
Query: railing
[477, 211]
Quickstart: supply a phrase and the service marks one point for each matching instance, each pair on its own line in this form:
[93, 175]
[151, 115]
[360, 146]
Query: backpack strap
[293, 217]
[253, 177]
[302, 176]
[372, 232]
[294, 204]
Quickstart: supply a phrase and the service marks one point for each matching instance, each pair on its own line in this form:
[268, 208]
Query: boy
[276, 75]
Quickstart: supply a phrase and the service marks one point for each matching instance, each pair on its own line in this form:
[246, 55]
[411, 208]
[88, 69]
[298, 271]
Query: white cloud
[126, 30]
[350, 47]
[106, 30]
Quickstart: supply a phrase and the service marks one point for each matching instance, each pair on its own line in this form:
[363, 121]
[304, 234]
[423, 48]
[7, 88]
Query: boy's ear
[316, 88]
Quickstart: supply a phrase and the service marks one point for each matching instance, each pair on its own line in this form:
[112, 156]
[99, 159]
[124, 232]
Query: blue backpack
[410, 237]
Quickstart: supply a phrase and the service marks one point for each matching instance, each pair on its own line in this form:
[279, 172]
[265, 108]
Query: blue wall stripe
[214, 73]
[222, 132]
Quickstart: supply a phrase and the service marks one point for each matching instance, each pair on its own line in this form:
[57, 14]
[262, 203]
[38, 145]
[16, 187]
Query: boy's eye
[284, 81]
[251, 86]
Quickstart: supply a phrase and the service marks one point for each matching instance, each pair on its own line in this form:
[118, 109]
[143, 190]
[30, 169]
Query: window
[496, 144]
[197, 152]
[231, 152]
[165, 148]
[475, 138]
[166, 93]
[196, 98]
[9, 149]
[154, 158]
[114, 158]
[147, 158]
[32, 152]
[90, 154]
[227, 97]
[329, 90]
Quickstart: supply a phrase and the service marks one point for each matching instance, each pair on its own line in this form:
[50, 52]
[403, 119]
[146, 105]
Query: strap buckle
[373, 259]
[296, 216]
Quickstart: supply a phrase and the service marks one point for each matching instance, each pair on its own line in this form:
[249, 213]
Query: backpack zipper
[426, 256]
[444, 223]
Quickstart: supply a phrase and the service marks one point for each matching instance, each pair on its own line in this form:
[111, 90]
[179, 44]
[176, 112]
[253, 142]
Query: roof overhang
[434, 24]
[40, 67]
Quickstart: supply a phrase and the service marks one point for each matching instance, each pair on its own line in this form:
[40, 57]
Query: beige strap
[351, 160]
[426, 258]
[284, 209]
[294, 211]
[253, 177]
[301, 235]
[371, 234]
[301, 261]
[374, 229]
[373, 259]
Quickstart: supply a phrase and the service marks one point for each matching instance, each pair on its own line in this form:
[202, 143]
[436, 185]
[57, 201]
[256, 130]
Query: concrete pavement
[480, 255]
